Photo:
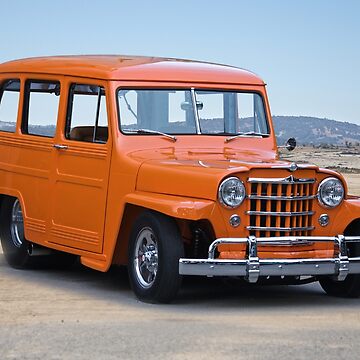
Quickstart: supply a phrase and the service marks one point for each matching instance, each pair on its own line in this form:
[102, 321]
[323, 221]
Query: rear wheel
[154, 251]
[15, 246]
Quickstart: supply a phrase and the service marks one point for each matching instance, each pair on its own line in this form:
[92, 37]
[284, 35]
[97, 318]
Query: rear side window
[9, 103]
[41, 107]
[86, 116]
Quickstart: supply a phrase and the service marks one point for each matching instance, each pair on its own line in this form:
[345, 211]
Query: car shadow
[195, 291]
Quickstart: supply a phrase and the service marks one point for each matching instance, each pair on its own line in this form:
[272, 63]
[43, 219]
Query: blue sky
[308, 51]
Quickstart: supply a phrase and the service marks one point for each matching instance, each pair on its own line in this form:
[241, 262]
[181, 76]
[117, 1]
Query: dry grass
[353, 181]
[341, 159]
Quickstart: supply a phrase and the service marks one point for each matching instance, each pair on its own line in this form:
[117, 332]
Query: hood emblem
[293, 167]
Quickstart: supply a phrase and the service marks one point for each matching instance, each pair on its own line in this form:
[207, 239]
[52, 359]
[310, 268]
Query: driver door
[82, 161]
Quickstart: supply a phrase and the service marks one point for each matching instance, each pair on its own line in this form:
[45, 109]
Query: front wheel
[155, 248]
[350, 287]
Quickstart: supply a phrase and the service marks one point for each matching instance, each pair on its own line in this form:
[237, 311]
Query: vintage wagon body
[168, 166]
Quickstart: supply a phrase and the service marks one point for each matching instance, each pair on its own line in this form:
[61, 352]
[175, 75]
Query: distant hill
[44, 130]
[307, 130]
[314, 131]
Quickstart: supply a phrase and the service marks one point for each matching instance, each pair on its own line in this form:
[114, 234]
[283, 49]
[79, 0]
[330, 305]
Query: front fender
[175, 206]
[351, 211]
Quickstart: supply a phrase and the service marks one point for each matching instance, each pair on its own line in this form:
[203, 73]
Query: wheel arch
[353, 228]
[133, 210]
[13, 194]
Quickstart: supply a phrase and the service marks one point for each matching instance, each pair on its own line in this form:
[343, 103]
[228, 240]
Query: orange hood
[198, 174]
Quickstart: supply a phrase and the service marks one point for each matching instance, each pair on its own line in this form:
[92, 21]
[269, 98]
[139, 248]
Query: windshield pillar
[196, 114]
[230, 112]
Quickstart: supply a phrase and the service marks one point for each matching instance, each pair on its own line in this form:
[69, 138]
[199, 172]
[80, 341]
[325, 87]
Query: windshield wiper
[129, 106]
[245, 134]
[148, 131]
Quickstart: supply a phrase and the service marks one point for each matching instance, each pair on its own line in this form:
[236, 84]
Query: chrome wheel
[17, 224]
[155, 247]
[146, 257]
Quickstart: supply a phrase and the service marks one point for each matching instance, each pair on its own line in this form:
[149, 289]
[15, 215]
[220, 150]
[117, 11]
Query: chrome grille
[280, 206]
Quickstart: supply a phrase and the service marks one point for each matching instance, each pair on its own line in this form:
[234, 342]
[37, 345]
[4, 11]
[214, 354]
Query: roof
[118, 67]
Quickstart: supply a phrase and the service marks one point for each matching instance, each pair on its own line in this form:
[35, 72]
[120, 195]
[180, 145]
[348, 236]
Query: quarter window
[86, 117]
[41, 107]
[9, 103]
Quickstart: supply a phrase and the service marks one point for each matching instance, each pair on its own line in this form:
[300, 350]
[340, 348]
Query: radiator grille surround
[280, 206]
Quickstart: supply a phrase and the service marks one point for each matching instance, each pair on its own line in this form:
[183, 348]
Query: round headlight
[331, 192]
[231, 192]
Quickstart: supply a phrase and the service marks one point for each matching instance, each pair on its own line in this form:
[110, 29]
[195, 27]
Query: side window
[86, 116]
[41, 107]
[9, 103]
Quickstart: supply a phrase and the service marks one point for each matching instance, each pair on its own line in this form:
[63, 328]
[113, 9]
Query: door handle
[60, 146]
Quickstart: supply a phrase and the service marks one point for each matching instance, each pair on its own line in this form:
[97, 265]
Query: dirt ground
[83, 314]
[353, 182]
[342, 159]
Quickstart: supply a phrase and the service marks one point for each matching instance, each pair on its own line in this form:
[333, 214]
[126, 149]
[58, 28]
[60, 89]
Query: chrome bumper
[253, 267]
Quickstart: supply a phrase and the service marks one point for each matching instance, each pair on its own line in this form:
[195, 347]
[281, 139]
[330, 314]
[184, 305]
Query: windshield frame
[196, 115]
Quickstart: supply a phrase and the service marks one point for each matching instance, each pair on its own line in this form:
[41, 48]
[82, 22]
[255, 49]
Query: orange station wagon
[169, 167]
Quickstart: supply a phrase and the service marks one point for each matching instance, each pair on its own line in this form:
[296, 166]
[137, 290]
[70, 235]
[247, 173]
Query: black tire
[350, 287]
[155, 248]
[13, 242]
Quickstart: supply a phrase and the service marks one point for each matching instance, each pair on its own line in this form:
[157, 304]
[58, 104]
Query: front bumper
[252, 267]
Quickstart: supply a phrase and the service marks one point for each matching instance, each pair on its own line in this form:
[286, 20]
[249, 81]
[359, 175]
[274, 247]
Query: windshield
[179, 112]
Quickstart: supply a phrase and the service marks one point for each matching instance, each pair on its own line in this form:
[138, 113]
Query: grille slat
[280, 207]
[268, 209]
[288, 198]
[279, 213]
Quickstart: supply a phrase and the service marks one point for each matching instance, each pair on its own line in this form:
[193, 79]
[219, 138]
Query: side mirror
[199, 105]
[290, 144]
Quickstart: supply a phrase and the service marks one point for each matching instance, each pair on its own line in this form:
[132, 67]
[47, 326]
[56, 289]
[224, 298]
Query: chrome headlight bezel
[323, 185]
[236, 182]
